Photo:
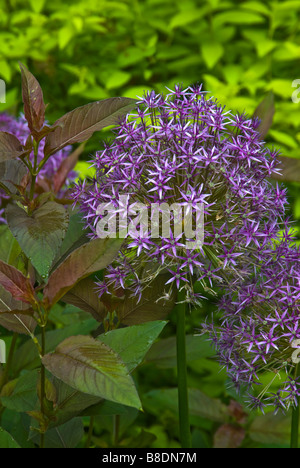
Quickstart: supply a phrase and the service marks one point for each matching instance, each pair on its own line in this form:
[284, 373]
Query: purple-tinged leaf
[81, 263]
[79, 125]
[16, 283]
[152, 305]
[34, 106]
[10, 147]
[93, 368]
[65, 168]
[84, 296]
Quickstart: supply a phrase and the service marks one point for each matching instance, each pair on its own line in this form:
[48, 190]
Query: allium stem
[43, 385]
[183, 403]
[295, 418]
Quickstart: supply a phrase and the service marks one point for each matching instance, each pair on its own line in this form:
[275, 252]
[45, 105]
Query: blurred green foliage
[91, 49]
[84, 50]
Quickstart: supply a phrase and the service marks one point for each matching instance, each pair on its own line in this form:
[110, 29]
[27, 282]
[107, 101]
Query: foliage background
[84, 50]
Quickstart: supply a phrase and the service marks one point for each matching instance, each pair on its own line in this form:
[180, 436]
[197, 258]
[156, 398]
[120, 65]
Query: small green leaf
[92, 367]
[212, 51]
[65, 35]
[284, 139]
[37, 5]
[117, 79]
[236, 17]
[10, 251]
[186, 17]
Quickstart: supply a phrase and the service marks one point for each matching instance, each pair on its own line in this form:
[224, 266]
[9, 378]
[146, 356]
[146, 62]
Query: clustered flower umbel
[260, 328]
[185, 148]
[18, 126]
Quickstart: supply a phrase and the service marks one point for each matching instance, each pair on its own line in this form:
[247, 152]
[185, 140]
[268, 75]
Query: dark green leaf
[163, 353]
[132, 343]
[166, 400]
[70, 402]
[143, 440]
[76, 236]
[39, 235]
[6, 440]
[24, 396]
[67, 435]
[105, 408]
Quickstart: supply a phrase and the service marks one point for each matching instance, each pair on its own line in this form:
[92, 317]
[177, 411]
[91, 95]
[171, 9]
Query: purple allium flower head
[19, 127]
[260, 326]
[184, 148]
